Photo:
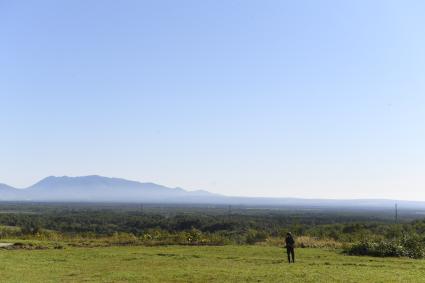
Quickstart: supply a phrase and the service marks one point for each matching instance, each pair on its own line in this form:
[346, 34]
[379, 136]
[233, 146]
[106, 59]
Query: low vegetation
[58, 243]
[230, 263]
[413, 247]
[75, 226]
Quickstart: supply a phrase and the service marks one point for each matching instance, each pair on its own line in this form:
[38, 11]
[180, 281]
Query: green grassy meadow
[201, 264]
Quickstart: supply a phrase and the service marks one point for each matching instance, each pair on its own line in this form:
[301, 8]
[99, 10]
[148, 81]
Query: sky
[312, 99]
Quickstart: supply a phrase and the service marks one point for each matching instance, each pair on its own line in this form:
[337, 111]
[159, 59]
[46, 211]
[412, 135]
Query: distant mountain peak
[97, 188]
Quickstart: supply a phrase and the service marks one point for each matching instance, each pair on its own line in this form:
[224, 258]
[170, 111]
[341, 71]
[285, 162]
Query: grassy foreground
[201, 264]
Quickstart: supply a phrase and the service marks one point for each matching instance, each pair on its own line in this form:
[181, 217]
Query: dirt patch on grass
[22, 246]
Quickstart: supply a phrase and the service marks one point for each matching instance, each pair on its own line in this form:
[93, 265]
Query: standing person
[290, 246]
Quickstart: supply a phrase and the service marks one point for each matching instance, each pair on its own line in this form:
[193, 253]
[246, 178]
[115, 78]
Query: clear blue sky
[257, 98]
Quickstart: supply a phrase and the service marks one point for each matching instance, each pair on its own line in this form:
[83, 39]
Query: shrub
[30, 228]
[253, 237]
[311, 242]
[123, 238]
[412, 247]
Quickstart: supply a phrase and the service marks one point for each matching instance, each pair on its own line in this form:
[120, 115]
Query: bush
[311, 242]
[253, 237]
[30, 228]
[412, 247]
[123, 238]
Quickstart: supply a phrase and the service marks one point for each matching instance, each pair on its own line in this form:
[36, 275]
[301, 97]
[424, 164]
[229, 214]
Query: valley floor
[201, 264]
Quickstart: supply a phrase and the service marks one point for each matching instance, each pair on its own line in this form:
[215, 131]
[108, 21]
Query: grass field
[201, 264]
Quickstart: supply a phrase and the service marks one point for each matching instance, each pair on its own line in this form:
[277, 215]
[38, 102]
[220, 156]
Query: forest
[360, 232]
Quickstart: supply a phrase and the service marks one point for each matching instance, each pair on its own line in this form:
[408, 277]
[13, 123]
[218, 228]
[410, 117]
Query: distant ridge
[96, 188]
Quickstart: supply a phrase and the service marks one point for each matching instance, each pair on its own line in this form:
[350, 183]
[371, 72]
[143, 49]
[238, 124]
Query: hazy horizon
[310, 99]
[201, 189]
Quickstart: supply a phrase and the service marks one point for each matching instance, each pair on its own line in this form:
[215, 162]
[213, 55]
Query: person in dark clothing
[290, 246]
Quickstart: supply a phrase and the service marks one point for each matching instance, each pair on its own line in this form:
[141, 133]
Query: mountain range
[97, 189]
[103, 189]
